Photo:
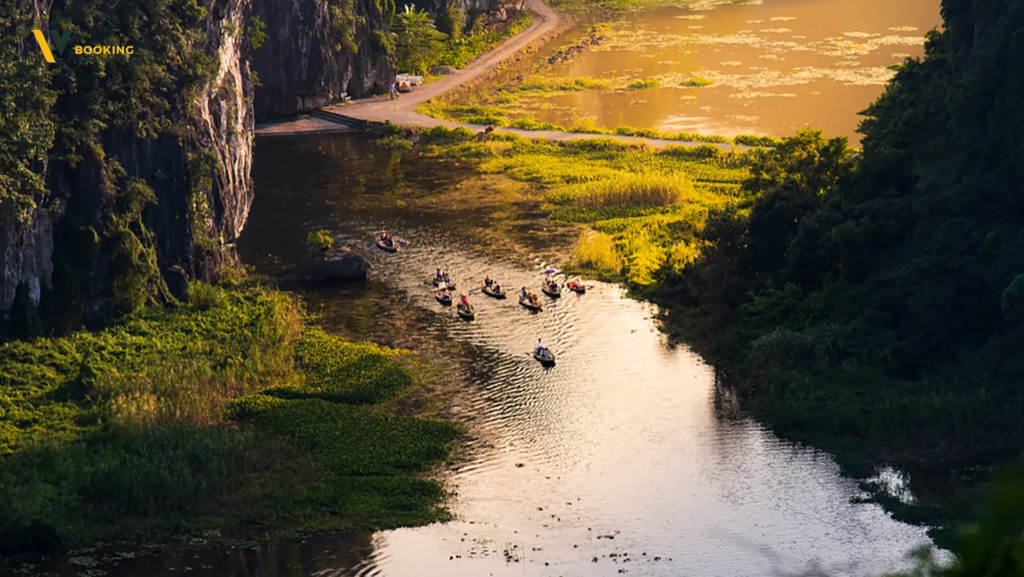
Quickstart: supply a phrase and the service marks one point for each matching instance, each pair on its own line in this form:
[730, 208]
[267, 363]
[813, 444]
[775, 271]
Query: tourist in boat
[495, 286]
[524, 294]
[465, 301]
[487, 281]
[438, 275]
[540, 346]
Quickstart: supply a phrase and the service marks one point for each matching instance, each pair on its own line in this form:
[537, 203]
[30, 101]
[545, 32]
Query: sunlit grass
[597, 252]
[561, 84]
[643, 189]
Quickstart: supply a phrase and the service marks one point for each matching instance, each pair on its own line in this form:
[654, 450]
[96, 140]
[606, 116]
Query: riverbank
[232, 415]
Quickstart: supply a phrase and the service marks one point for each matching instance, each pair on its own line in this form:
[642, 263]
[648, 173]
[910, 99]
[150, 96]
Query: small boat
[529, 304]
[466, 312]
[393, 247]
[443, 298]
[446, 280]
[545, 356]
[576, 287]
[489, 291]
[551, 289]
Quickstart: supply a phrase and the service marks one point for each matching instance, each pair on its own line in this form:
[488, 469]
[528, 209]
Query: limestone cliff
[149, 166]
[317, 50]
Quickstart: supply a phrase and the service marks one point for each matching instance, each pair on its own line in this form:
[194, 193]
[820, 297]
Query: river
[621, 458]
[774, 67]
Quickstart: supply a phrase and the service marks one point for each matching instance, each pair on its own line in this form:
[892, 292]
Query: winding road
[402, 110]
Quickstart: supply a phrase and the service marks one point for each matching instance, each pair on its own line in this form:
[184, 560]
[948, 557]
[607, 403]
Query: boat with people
[551, 288]
[576, 286]
[493, 289]
[529, 300]
[466, 310]
[543, 354]
[387, 243]
[441, 277]
[443, 296]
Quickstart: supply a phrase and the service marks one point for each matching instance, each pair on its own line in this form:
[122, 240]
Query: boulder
[333, 263]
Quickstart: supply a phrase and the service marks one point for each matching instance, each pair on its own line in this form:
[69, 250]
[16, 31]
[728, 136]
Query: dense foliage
[419, 43]
[874, 301]
[128, 432]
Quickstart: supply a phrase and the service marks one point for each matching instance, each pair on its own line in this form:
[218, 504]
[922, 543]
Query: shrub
[596, 251]
[320, 240]
[204, 296]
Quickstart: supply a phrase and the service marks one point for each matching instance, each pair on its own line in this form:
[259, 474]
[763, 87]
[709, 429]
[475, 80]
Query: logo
[60, 40]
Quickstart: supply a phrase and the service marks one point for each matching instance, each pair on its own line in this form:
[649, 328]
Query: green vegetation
[644, 84]
[419, 43]
[697, 81]
[870, 303]
[540, 83]
[224, 414]
[647, 206]
[460, 49]
[319, 240]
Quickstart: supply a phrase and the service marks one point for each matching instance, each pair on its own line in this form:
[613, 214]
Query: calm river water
[620, 459]
[775, 66]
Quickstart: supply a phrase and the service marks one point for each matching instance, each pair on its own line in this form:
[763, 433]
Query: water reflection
[774, 67]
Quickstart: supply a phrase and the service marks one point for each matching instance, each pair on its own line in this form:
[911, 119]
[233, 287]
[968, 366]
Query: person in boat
[465, 302]
[488, 282]
[495, 286]
[540, 346]
[438, 275]
[524, 294]
[386, 238]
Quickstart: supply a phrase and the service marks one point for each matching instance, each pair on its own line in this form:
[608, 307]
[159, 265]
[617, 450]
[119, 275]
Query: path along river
[622, 458]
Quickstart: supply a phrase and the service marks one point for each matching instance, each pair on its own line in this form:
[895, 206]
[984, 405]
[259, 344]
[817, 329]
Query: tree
[419, 43]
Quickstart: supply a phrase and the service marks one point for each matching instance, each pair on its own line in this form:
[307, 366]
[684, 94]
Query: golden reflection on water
[775, 67]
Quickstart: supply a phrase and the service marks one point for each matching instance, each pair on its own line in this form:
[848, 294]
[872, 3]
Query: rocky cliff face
[66, 254]
[307, 62]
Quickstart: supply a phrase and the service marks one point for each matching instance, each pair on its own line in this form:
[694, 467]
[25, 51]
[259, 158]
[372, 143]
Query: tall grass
[630, 189]
[596, 252]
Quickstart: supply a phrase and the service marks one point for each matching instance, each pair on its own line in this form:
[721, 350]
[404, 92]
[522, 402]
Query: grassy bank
[638, 209]
[228, 414]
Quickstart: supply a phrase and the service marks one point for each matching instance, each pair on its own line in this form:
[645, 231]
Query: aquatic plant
[644, 84]
[319, 240]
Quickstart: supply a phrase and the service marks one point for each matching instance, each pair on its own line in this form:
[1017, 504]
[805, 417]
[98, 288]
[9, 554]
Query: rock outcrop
[308, 62]
[331, 264]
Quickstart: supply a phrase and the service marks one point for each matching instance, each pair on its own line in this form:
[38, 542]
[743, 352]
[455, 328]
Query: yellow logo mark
[43, 45]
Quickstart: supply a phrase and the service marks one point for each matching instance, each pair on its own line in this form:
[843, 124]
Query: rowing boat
[545, 356]
[529, 304]
[447, 281]
[498, 294]
[466, 312]
[551, 290]
[577, 287]
[393, 247]
[443, 298]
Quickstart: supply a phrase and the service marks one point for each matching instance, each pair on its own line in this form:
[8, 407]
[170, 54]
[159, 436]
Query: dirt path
[402, 110]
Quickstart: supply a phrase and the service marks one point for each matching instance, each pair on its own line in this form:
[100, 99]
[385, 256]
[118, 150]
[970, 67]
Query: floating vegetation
[697, 82]
[731, 63]
[777, 30]
[560, 84]
[783, 18]
[644, 84]
[860, 35]
[903, 29]
[690, 17]
[762, 95]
